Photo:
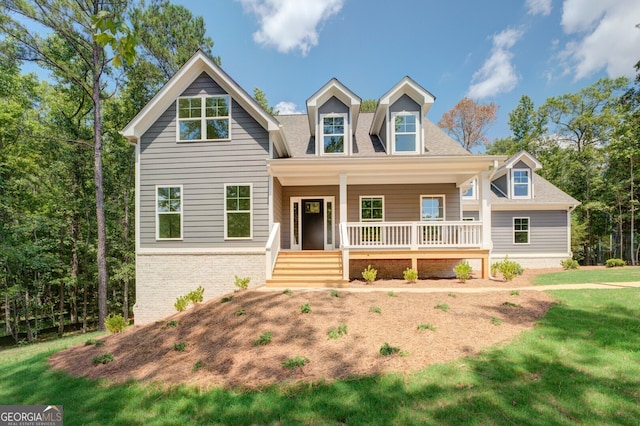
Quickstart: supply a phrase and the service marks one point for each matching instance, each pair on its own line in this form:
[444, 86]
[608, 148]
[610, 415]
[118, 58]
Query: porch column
[484, 196]
[343, 198]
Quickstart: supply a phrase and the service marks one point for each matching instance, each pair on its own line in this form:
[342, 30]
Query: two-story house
[224, 189]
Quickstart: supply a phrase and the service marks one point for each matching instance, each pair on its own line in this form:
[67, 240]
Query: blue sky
[489, 50]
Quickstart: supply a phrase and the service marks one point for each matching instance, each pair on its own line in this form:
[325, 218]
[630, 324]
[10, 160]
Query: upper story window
[405, 132]
[372, 209]
[169, 212]
[204, 118]
[333, 133]
[431, 207]
[521, 183]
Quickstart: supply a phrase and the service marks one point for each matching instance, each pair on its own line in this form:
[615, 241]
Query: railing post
[414, 236]
[344, 247]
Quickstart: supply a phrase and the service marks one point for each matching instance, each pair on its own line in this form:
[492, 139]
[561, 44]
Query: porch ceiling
[386, 170]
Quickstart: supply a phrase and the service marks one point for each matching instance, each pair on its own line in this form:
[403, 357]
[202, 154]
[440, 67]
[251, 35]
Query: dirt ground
[219, 337]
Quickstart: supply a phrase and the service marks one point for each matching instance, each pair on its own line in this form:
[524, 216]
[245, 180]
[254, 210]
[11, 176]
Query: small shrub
[180, 347]
[240, 312]
[181, 303]
[442, 306]
[452, 295]
[463, 271]
[305, 308]
[295, 362]
[569, 264]
[370, 274]
[287, 292]
[614, 263]
[336, 333]
[511, 305]
[496, 321]
[334, 293]
[241, 283]
[115, 323]
[226, 299]
[375, 309]
[263, 340]
[94, 342]
[386, 350]
[422, 327]
[173, 324]
[508, 268]
[103, 359]
[514, 293]
[197, 366]
[410, 275]
[392, 294]
[196, 296]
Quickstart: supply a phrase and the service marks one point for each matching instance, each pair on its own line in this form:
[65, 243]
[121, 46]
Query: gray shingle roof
[544, 193]
[301, 144]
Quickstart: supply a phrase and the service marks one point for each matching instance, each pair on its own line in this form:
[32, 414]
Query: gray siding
[333, 105]
[277, 203]
[471, 213]
[405, 103]
[501, 183]
[547, 232]
[203, 168]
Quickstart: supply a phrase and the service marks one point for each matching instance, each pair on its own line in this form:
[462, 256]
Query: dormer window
[405, 132]
[521, 183]
[333, 133]
[204, 118]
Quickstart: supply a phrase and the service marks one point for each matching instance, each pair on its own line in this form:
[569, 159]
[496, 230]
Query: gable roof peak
[333, 88]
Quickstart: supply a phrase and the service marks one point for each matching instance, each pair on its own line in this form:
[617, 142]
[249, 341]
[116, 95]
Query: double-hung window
[371, 209]
[520, 230]
[204, 118]
[169, 212]
[432, 207]
[237, 212]
[521, 183]
[334, 133]
[405, 132]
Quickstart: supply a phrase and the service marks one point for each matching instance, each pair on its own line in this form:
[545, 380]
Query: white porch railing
[272, 249]
[412, 235]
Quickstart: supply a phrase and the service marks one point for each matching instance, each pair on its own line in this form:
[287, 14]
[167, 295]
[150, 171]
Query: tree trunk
[633, 207]
[75, 267]
[103, 273]
[7, 316]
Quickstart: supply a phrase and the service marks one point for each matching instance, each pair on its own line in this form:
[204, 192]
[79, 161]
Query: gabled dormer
[333, 117]
[398, 120]
[514, 179]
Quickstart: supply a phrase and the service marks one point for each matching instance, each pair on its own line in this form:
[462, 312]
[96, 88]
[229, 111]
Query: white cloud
[539, 7]
[290, 24]
[498, 74]
[605, 37]
[286, 108]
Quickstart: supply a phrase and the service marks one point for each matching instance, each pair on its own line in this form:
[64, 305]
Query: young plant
[386, 350]
[614, 263]
[410, 275]
[173, 324]
[295, 362]
[569, 264]
[452, 295]
[241, 283]
[511, 305]
[370, 274]
[103, 359]
[181, 303]
[226, 299]
[392, 294]
[197, 366]
[496, 321]
[196, 296]
[508, 268]
[180, 347]
[336, 333]
[240, 312]
[94, 342]
[442, 306]
[334, 293]
[115, 323]
[463, 271]
[263, 340]
[305, 308]
[427, 326]
[375, 309]
[514, 293]
[288, 292]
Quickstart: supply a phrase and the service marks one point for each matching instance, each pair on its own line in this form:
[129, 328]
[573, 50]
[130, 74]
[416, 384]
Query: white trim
[473, 186]
[158, 238]
[530, 255]
[513, 229]
[371, 197]
[392, 130]
[203, 117]
[444, 207]
[513, 184]
[224, 200]
[346, 140]
[197, 250]
[137, 196]
[325, 200]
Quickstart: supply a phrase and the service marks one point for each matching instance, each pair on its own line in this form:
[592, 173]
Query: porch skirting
[161, 278]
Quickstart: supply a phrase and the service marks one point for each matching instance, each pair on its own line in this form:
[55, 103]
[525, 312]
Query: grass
[582, 276]
[580, 365]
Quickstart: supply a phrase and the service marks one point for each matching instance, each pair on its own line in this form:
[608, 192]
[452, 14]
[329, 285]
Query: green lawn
[580, 276]
[580, 365]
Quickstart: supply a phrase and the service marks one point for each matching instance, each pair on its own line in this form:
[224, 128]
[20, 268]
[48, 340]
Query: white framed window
[371, 208]
[333, 135]
[520, 230]
[405, 132]
[169, 212]
[432, 208]
[203, 118]
[471, 193]
[521, 183]
[238, 211]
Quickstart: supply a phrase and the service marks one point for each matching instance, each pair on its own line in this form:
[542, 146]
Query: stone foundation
[161, 278]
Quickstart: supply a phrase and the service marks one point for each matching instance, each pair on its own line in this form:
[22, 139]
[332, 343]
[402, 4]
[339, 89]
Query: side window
[521, 183]
[204, 118]
[520, 230]
[432, 207]
[238, 212]
[169, 212]
[371, 209]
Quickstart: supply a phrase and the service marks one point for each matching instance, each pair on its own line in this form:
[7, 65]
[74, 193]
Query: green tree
[369, 105]
[261, 98]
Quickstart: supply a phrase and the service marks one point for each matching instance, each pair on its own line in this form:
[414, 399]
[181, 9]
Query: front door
[313, 224]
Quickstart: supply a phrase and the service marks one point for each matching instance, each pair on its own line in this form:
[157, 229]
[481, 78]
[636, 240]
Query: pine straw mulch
[222, 342]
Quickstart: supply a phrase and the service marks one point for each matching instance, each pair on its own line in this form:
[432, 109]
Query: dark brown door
[313, 224]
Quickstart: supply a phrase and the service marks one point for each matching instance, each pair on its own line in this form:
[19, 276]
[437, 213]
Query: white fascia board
[530, 206]
[527, 158]
[333, 88]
